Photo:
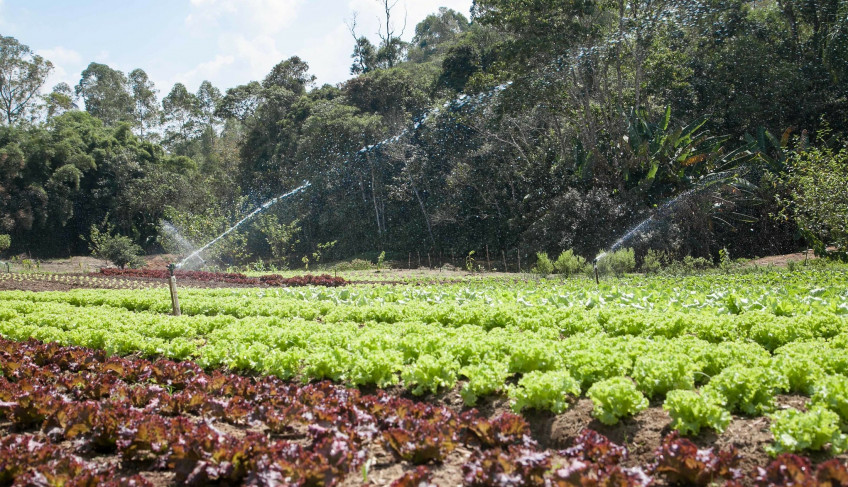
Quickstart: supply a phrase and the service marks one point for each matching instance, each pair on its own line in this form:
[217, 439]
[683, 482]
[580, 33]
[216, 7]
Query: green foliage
[430, 373]
[543, 391]
[796, 431]
[691, 411]
[117, 249]
[817, 182]
[658, 374]
[543, 266]
[654, 261]
[748, 390]
[24, 73]
[5, 243]
[355, 265]
[619, 262]
[569, 263]
[831, 392]
[281, 237]
[615, 398]
[483, 379]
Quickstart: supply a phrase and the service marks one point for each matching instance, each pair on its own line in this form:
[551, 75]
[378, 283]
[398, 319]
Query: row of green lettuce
[701, 363]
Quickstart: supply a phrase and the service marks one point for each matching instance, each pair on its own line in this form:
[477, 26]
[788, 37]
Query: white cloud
[329, 57]
[261, 16]
[67, 66]
[203, 71]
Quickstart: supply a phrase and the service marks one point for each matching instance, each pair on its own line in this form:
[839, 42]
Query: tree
[208, 99]
[59, 101]
[291, 74]
[240, 103]
[146, 113]
[22, 74]
[436, 31]
[181, 114]
[105, 92]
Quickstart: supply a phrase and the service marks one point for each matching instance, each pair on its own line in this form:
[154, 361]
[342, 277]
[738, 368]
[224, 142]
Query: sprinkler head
[171, 268]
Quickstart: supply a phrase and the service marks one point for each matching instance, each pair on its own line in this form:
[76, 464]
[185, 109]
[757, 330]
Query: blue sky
[228, 42]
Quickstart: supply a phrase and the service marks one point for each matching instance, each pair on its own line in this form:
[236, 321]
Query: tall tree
[59, 101]
[208, 99]
[22, 74]
[146, 105]
[181, 113]
[105, 92]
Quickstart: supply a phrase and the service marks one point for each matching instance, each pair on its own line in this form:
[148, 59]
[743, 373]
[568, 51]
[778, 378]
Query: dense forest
[527, 126]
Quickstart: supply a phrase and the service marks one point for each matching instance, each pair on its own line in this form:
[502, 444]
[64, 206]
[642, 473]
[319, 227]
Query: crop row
[165, 414]
[78, 280]
[231, 278]
[545, 368]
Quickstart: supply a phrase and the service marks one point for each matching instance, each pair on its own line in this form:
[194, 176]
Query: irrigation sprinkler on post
[595, 268]
[172, 283]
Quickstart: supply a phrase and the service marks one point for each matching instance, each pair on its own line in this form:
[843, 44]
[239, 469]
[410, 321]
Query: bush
[569, 264]
[818, 200]
[654, 261]
[117, 249]
[5, 243]
[543, 266]
[619, 262]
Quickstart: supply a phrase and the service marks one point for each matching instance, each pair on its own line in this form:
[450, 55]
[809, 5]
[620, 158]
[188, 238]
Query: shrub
[654, 261]
[5, 243]
[616, 398]
[569, 264]
[619, 262]
[543, 266]
[117, 249]
[818, 200]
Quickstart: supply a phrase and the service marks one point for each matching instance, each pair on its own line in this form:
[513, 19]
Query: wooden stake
[518, 252]
[503, 254]
[175, 302]
[429, 262]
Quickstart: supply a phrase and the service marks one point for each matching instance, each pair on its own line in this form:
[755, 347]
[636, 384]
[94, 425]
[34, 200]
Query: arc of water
[705, 183]
[250, 215]
[456, 103]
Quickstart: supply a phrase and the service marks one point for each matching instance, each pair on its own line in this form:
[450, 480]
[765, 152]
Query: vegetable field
[478, 383]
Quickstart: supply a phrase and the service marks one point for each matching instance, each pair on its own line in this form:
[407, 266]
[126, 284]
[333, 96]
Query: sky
[228, 42]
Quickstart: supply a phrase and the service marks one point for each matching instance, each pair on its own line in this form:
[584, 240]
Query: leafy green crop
[748, 390]
[691, 411]
[543, 390]
[616, 398]
[796, 431]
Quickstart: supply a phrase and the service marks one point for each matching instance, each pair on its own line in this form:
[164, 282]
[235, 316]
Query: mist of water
[663, 212]
[250, 215]
[457, 103]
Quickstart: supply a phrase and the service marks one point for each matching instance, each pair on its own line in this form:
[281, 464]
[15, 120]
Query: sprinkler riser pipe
[172, 284]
